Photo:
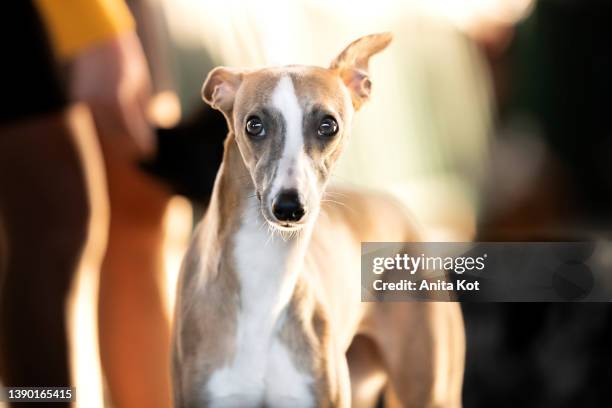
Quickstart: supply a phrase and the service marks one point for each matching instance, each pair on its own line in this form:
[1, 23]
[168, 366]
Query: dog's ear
[219, 89]
[352, 65]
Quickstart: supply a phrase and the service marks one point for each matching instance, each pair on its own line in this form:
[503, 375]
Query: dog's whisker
[336, 193]
[344, 205]
[270, 234]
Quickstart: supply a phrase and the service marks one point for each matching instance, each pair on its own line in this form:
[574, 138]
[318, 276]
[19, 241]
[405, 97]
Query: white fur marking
[293, 157]
[262, 370]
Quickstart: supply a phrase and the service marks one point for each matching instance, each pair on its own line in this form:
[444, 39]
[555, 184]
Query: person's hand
[113, 79]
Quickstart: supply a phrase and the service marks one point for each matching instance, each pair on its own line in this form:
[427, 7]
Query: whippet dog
[268, 310]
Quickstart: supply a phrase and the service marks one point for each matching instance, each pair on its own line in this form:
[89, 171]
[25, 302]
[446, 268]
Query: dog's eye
[255, 127]
[328, 127]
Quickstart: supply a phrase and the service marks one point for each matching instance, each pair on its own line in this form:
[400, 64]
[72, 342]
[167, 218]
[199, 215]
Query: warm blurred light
[177, 224]
[82, 316]
[164, 109]
[83, 328]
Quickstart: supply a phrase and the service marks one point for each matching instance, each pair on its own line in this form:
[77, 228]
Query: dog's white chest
[260, 376]
[262, 371]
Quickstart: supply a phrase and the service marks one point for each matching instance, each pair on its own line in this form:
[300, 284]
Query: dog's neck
[266, 264]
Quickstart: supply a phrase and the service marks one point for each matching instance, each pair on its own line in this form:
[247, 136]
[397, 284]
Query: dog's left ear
[352, 65]
[220, 87]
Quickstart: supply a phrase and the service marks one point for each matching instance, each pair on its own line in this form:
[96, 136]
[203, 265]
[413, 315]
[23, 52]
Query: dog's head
[291, 124]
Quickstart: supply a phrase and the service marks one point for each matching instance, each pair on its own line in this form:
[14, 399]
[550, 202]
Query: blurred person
[44, 208]
[50, 202]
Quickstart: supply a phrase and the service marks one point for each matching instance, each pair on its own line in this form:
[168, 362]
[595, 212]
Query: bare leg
[134, 330]
[45, 210]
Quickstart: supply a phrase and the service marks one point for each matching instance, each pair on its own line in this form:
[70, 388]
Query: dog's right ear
[352, 65]
[220, 88]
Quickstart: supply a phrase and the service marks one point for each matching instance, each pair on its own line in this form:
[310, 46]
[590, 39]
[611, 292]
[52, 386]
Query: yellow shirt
[77, 24]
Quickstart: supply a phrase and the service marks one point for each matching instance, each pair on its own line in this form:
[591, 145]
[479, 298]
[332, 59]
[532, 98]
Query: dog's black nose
[287, 206]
